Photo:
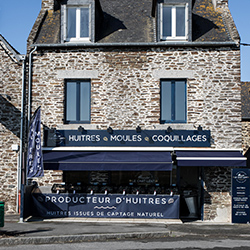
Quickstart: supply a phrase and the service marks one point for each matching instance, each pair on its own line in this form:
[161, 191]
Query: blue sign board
[106, 206]
[240, 196]
[131, 138]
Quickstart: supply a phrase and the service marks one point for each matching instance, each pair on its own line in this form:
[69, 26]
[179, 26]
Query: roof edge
[228, 18]
[19, 57]
[36, 27]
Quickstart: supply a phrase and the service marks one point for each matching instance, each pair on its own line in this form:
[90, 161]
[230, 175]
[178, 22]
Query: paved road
[165, 243]
[63, 234]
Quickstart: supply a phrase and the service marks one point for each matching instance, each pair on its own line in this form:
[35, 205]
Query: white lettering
[204, 138]
[118, 200]
[61, 199]
[47, 198]
[81, 200]
[154, 138]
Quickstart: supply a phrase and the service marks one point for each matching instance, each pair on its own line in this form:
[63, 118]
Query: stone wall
[50, 177]
[246, 140]
[219, 3]
[245, 135]
[48, 4]
[217, 194]
[10, 106]
[125, 92]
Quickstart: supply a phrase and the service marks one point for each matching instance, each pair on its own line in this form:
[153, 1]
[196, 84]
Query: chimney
[48, 4]
[219, 3]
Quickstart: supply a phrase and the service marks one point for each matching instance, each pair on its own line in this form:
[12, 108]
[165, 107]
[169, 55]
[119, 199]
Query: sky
[18, 16]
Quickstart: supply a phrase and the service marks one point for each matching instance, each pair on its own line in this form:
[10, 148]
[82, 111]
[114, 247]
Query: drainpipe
[22, 189]
[20, 162]
[21, 126]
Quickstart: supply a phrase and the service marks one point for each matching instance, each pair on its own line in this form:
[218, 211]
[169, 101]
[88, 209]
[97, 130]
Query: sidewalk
[38, 231]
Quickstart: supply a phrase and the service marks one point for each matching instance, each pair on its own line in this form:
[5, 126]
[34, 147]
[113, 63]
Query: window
[78, 23]
[77, 102]
[174, 22]
[173, 101]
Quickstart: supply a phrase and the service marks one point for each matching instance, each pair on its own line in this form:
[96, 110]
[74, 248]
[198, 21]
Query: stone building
[11, 75]
[245, 90]
[139, 97]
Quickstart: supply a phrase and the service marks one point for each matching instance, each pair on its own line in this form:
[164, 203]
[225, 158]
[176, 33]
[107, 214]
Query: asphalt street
[72, 234]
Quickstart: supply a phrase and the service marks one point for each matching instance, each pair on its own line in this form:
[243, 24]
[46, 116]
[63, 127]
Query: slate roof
[50, 29]
[208, 24]
[131, 21]
[127, 21]
[245, 99]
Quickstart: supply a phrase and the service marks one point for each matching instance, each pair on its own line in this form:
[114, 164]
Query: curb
[80, 238]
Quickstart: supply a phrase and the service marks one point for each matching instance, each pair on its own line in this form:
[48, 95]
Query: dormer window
[174, 23]
[78, 19]
[174, 20]
[78, 23]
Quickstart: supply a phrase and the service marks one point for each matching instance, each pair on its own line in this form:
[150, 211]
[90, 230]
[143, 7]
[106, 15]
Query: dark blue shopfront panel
[210, 158]
[240, 195]
[107, 161]
[106, 206]
[127, 138]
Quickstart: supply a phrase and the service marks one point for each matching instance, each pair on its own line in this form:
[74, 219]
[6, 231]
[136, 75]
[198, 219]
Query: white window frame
[78, 21]
[173, 36]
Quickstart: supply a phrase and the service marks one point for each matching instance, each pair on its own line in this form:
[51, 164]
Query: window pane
[180, 21]
[166, 101]
[71, 22]
[71, 101]
[180, 100]
[85, 101]
[84, 32]
[167, 21]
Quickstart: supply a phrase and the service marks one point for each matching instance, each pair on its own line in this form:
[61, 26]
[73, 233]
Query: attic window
[77, 24]
[174, 22]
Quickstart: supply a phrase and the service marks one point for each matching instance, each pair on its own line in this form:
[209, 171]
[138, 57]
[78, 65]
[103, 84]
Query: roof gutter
[160, 44]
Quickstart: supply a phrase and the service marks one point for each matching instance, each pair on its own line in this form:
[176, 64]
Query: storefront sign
[147, 138]
[240, 196]
[106, 206]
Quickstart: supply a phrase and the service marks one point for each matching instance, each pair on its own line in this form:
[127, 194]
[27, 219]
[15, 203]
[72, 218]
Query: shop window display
[130, 182]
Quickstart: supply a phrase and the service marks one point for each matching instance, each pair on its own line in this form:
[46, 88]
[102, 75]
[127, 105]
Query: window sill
[78, 41]
[183, 39]
[76, 126]
[175, 126]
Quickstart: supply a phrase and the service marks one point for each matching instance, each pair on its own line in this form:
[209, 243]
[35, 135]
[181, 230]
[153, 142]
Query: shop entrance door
[190, 187]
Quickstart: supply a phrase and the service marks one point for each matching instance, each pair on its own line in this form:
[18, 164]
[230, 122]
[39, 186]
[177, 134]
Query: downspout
[20, 162]
[21, 129]
[29, 113]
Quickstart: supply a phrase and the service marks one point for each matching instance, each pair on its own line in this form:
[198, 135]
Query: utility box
[1, 214]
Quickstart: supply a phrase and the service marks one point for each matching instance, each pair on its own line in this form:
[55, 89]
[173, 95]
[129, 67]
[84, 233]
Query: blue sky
[18, 16]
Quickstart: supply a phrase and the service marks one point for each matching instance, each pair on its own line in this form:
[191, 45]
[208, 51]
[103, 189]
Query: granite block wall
[10, 115]
[125, 87]
[125, 92]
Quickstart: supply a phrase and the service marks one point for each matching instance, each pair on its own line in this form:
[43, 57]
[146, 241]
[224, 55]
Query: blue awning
[107, 161]
[210, 158]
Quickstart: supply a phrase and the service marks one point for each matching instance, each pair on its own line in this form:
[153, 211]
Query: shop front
[129, 174]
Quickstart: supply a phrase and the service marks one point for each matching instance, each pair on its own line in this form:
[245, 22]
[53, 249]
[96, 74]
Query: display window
[130, 182]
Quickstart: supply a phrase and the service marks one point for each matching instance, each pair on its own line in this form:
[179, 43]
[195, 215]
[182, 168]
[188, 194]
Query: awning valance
[107, 161]
[210, 158]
